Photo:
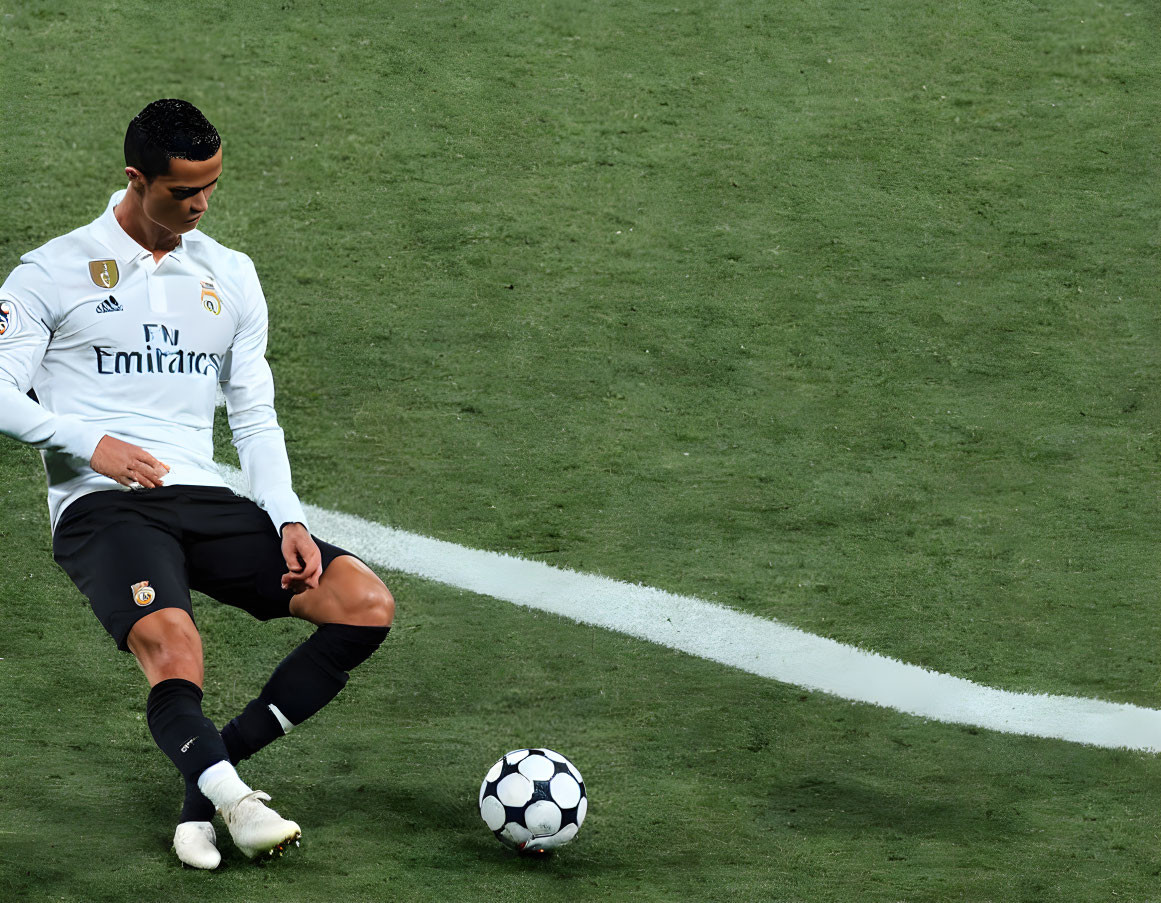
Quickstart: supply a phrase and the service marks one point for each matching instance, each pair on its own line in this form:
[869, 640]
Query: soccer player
[123, 330]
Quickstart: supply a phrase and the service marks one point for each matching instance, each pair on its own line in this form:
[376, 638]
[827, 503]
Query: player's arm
[249, 389]
[28, 307]
[27, 316]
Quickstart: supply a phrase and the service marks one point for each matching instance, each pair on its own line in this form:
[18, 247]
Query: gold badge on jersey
[211, 300]
[104, 273]
[143, 593]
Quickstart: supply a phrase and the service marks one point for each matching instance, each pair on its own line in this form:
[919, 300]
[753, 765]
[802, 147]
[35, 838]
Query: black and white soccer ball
[534, 800]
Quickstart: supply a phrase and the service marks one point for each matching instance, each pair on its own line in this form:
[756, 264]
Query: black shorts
[132, 553]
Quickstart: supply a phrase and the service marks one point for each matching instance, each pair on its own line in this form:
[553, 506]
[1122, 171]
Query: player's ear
[136, 178]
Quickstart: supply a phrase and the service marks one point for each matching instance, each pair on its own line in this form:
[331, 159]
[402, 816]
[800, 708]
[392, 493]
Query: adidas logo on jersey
[109, 305]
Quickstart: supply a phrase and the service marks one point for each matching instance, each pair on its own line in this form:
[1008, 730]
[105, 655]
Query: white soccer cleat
[195, 845]
[258, 830]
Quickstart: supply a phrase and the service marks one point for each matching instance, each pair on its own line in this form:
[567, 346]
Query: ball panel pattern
[514, 835]
[565, 791]
[542, 818]
[537, 768]
[515, 790]
[559, 839]
[530, 812]
[493, 812]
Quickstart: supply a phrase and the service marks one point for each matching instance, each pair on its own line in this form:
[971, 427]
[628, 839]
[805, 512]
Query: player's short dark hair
[167, 129]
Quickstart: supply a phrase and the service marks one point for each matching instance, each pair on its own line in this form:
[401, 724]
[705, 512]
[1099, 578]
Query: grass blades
[839, 314]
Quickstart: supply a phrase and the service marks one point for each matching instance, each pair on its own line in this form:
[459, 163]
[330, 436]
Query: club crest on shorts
[104, 273]
[7, 317]
[143, 593]
[211, 300]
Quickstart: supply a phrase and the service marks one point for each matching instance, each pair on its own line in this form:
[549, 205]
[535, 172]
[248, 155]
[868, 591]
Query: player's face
[177, 200]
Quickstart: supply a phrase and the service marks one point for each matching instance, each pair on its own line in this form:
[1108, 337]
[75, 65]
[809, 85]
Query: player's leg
[129, 563]
[169, 650]
[123, 553]
[349, 592]
[127, 560]
[168, 647]
[239, 562]
[353, 610]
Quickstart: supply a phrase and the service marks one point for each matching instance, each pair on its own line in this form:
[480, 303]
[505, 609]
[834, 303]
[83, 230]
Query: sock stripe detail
[282, 719]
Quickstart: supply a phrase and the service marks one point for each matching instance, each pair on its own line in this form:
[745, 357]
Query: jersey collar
[114, 237]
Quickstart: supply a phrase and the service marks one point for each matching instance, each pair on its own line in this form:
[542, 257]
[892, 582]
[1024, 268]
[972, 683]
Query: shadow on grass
[439, 829]
[826, 805]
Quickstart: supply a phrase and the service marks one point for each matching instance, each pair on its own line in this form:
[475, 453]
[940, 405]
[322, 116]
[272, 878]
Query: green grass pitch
[838, 313]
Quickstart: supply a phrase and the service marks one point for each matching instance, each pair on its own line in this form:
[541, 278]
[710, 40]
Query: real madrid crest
[104, 273]
[143, 593]
[211, 299]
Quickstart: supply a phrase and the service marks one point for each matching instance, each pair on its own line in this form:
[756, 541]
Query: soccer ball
[533, 800]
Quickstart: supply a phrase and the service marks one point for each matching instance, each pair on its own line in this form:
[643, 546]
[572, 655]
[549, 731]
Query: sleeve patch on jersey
[8, 318]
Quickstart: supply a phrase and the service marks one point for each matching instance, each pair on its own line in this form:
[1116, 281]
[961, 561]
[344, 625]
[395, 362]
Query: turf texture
[842, 314]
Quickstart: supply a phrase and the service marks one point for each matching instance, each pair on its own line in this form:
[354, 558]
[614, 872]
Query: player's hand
[303, 559]
[127, 464]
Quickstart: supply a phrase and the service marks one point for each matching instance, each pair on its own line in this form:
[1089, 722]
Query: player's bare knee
[362, 597]
[175, 660]
[174, 646]
[375, 606]
[385, 606]
[166, 644]
[164, 626]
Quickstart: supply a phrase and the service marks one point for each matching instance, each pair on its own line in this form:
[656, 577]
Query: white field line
[757, 645]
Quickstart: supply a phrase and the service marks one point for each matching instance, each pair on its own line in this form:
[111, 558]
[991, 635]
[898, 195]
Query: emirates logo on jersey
[104, 273]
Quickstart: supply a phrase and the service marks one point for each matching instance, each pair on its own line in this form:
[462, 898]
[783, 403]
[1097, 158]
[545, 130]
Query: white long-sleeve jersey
[113, 343]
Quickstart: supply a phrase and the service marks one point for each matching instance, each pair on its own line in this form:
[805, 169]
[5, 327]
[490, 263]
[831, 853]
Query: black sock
[305, 681]
[189, 738]
[196, 805]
